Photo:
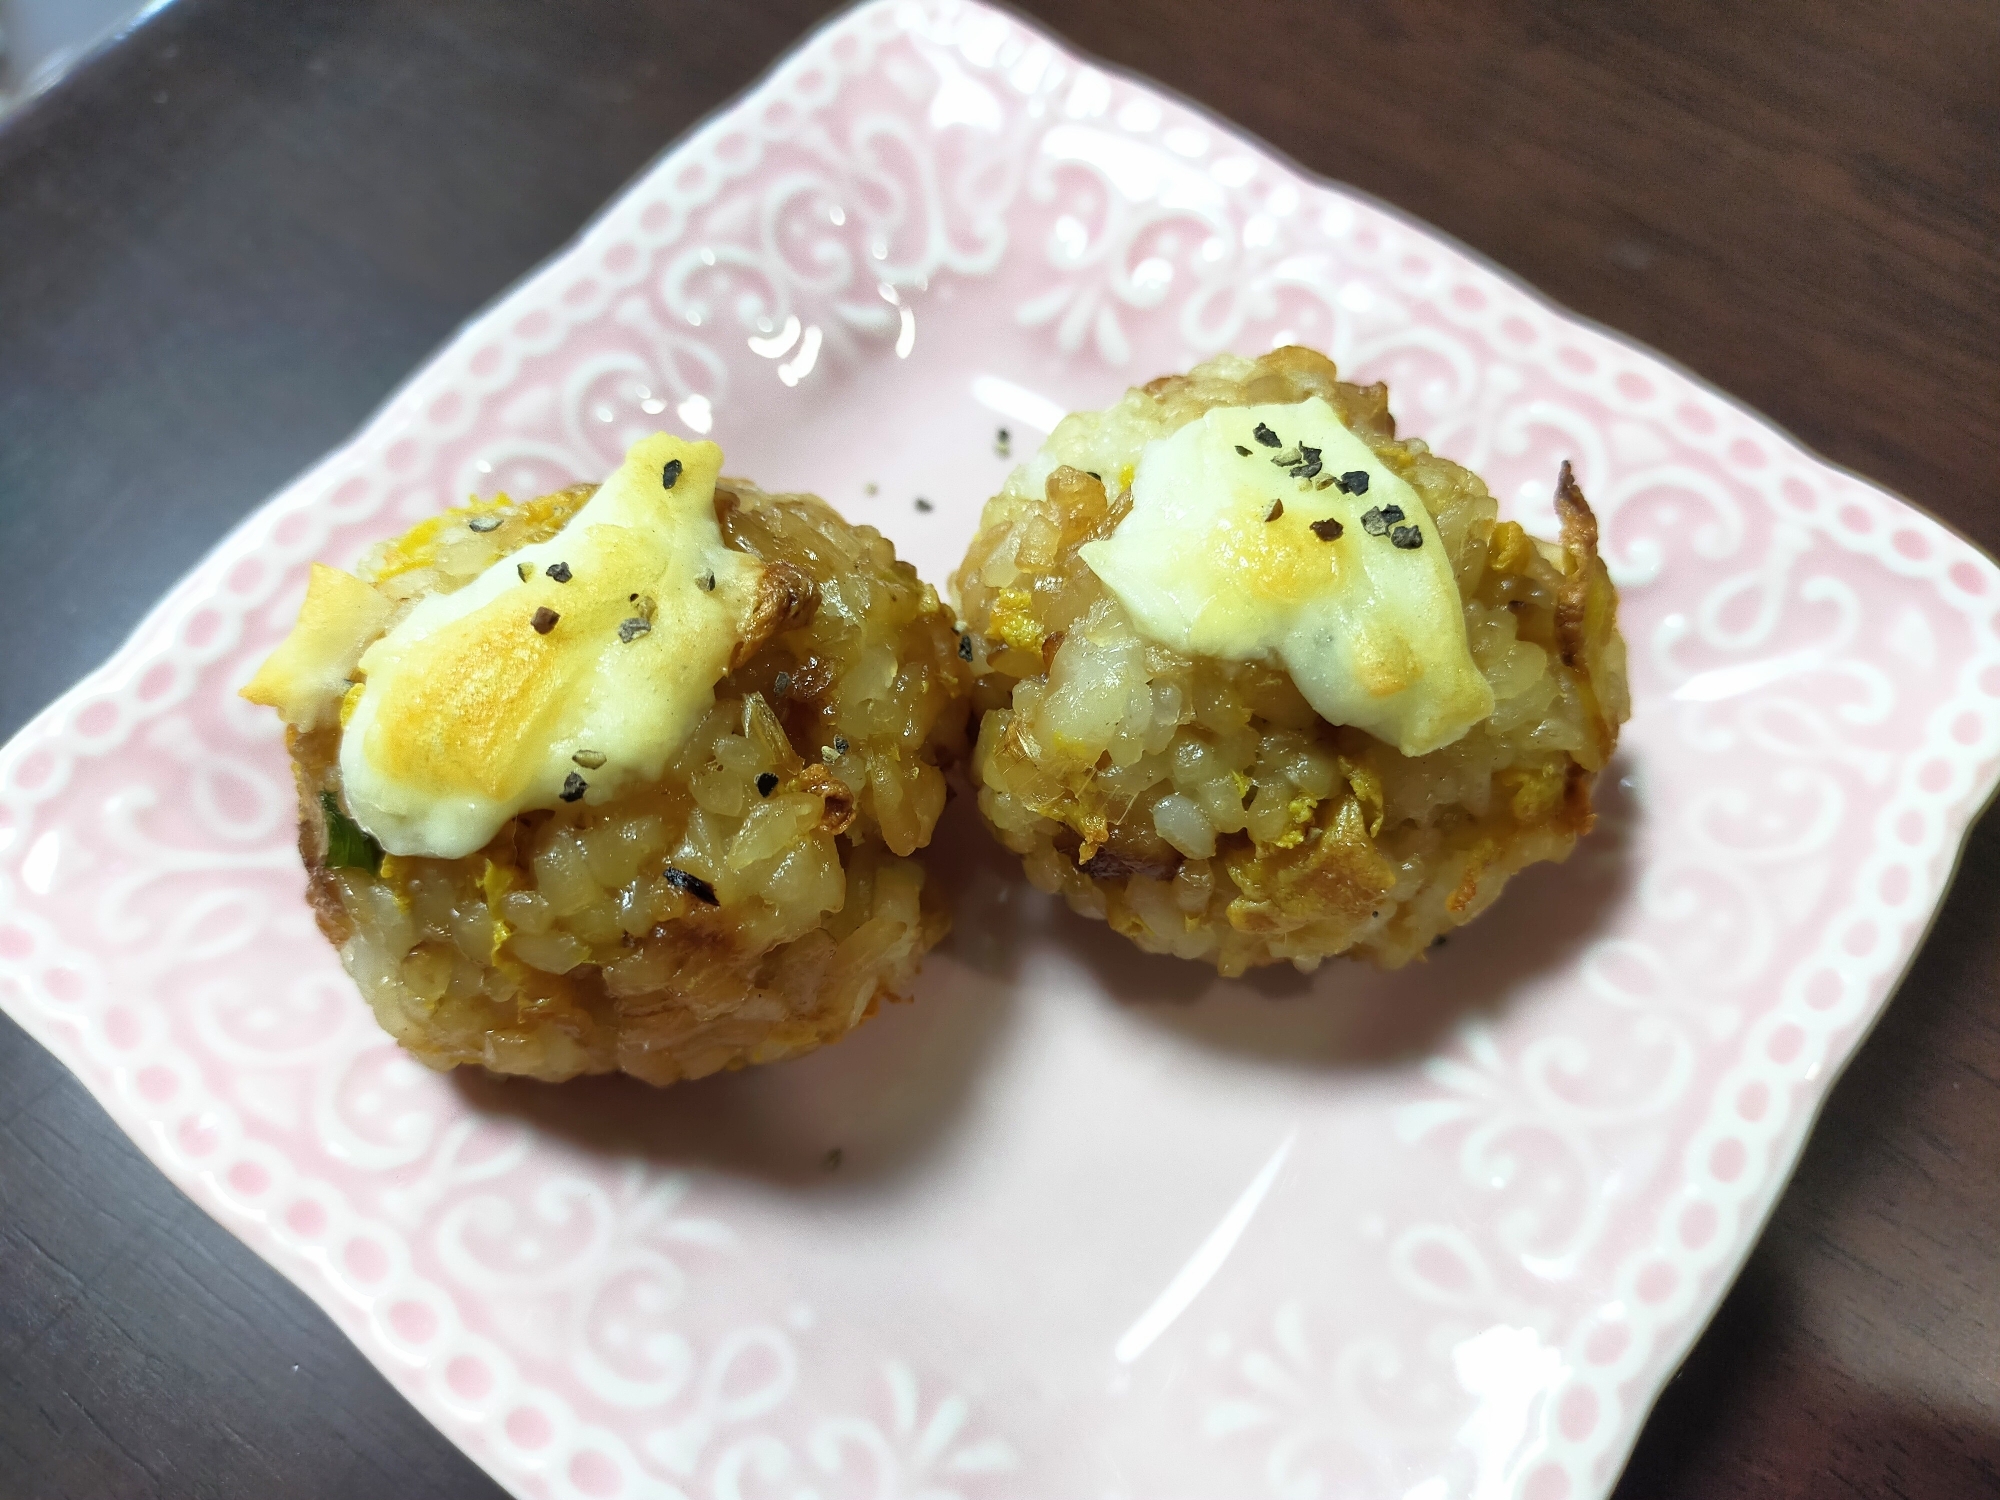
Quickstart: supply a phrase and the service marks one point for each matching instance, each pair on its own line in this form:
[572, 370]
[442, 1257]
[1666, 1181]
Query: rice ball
[624, 777]
[1260, 681]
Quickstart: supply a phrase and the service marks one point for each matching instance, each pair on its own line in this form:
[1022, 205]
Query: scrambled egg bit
[566, 671]
[1273, 533]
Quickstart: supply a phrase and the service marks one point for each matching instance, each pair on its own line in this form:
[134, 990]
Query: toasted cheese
[306, 677]
[478, 705]
[1368, 622]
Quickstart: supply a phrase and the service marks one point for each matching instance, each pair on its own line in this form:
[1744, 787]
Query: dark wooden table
[223, 241]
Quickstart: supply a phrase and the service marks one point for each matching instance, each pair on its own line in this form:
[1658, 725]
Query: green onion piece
[347, 846]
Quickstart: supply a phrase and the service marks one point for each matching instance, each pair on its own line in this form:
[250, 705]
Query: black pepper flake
[526, 570]
[1003, 442]
[690, 885]
[630, 630]
[1354, 482]
[923, 505]
[559, 571]
[671, 474]
[1377, 520]
[839, 745]
[782, 684]
[1308, 464]
[1265, 436]
[1328, 529]
[767, 783]
[544, 620]
[574, 786]
[485, 523]
[1409, 538]
[590, 760]
[707, 581]
[1242, 450]
[1277, 509]
[965, 648]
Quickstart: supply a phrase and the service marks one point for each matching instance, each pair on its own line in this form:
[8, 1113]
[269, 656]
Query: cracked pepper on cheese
[1262, 681]
[628, 776]
[608, 638]
[1212, 561]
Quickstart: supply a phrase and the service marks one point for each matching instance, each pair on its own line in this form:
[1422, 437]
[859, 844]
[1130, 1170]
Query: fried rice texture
[758, 901]
[1200, 806]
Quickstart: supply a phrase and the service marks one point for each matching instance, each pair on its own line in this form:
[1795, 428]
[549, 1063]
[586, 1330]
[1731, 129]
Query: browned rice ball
[756, 902]
[1297, 839]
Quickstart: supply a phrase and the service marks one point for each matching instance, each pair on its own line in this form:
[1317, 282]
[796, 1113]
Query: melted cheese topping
[1372, 633]
[469, 714]
[306, 676]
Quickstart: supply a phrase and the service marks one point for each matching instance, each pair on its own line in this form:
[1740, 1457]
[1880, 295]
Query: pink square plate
[1077, 1222]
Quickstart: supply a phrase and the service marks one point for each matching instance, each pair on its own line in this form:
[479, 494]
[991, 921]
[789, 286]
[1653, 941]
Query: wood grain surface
[224, 240]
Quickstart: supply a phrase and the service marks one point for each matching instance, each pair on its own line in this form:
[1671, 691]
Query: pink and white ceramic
[1077, 1222]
